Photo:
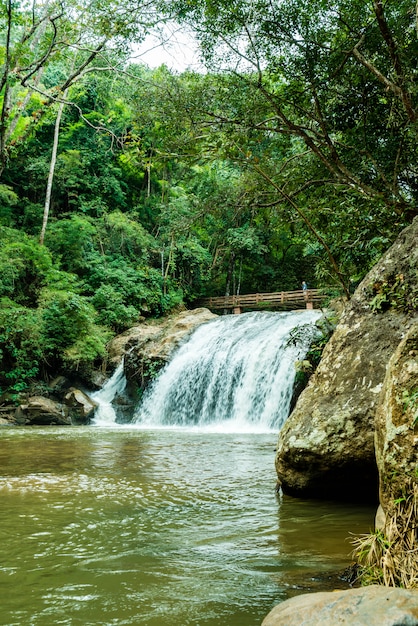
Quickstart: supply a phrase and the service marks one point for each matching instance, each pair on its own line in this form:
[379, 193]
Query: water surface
[156, 527]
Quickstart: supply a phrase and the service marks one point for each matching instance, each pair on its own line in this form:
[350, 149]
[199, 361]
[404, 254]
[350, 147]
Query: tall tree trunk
[52, 168]
[4, 86]
[169, 263]
[149, 178]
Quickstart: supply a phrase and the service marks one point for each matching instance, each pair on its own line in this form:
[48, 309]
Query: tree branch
[308, 223]
[389, 84]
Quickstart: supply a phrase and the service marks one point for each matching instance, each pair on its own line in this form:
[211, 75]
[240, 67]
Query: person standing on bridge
[304, 286]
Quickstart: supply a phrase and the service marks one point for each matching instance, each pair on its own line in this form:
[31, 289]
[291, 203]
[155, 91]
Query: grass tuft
[390, 558]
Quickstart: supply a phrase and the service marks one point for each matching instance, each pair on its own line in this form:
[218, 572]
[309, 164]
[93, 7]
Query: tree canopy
[126, 191]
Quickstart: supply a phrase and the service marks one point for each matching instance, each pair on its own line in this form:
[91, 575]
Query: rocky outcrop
[390, 554]
[397, 421]
[148, 347]
[367, 606]
[7, 421]
[137, 335]
[326, 448]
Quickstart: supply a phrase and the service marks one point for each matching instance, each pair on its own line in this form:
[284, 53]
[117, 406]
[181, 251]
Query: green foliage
[139, 287]
[69, 241]
[113, 312]
[24, 265]
[8, 199]
[188, 266]
[87, 349]
[127, 238]
[299, 164]
[69, 329]
[369, 551]
[60, 332]
[20, 347]
[65, 317]
[324, 129]
[397, 292]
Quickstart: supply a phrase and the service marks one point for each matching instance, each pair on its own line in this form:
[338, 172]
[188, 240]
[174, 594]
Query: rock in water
[367, 606]
[326, 447]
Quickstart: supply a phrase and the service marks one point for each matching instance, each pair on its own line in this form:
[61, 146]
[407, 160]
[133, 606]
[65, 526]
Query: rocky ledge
[146, 348]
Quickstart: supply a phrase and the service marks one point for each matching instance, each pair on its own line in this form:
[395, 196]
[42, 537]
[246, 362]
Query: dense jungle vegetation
[125, 191]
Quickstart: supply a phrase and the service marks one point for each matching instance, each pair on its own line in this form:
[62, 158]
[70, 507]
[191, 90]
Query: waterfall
[105, 414]
[233, 373]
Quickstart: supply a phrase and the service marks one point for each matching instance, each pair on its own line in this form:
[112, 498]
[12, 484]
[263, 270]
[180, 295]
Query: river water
[160, 527]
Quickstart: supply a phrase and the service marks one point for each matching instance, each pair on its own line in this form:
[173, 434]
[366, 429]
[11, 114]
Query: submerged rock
[326, 447]
[367, 606]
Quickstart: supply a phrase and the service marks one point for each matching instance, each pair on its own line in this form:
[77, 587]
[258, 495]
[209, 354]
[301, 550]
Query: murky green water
[156, 528]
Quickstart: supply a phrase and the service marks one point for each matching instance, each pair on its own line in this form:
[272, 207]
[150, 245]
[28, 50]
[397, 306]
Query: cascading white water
[105, 414]
[233, 373]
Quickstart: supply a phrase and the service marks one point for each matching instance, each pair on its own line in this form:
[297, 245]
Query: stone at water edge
[366, 606]
[81, 407]
[326, 447]
[77, 408]
[40, 411]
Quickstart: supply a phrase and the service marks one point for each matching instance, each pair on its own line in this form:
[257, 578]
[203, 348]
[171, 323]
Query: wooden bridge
[308, 298]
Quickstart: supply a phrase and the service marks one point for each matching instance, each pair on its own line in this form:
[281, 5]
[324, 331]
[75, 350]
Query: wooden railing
[280, 299]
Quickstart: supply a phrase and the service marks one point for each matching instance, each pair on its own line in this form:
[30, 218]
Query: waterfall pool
[173, 520]
[158, 527]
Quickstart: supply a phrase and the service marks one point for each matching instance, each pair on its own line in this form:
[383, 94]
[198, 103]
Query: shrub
[112, 310]
[69, 331]
[20, 347]
[24, 265]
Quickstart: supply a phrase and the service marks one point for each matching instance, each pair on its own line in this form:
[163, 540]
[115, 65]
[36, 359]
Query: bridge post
[236, 310]
[309, 305]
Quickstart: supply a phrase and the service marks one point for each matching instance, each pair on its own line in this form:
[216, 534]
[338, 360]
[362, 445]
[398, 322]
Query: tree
[331, 87]
[73, 35]
[52, 169]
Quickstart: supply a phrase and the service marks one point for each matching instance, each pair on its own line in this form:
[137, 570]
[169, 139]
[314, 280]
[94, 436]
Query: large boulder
[80, 406]
[326, 447]
[397, 422]
[367, 606]
[40, 411]
[392, 552]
